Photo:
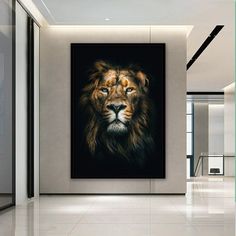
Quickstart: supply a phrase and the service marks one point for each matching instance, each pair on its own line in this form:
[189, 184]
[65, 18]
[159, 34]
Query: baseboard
[6, 207]
[111, 194]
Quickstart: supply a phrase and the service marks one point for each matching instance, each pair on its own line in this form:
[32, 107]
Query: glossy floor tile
[208, 209]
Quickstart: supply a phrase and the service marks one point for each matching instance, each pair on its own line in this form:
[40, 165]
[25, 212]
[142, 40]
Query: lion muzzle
[116, 108]
[116, 126]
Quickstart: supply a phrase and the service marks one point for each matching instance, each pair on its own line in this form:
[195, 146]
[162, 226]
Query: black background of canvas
[151, 58]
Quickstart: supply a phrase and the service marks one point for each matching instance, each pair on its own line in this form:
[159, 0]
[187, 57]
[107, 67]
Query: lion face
[115, 104]
[116, 96]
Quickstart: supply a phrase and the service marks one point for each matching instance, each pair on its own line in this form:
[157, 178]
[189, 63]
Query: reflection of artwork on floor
[118, 110]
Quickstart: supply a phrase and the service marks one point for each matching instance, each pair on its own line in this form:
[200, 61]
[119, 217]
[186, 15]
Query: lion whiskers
[111, 117]
[117, 128]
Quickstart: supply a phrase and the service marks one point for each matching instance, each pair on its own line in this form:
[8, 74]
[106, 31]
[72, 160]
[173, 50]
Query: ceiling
[215, 67]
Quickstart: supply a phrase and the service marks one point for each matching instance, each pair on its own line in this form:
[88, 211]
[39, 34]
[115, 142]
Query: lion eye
[104, 90]
[128, 90]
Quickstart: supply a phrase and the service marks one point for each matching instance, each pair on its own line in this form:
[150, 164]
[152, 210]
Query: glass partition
[6, 103]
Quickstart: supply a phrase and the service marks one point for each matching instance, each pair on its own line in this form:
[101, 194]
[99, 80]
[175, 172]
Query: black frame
[30, 107]
[13, 102]
[72, 117]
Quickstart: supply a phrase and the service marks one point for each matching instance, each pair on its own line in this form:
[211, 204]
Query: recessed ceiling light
[107, 19]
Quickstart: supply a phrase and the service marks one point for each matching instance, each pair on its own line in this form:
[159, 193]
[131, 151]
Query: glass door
[7, 110]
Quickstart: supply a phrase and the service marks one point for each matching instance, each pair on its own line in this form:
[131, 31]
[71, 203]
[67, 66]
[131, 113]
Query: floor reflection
[207, 209]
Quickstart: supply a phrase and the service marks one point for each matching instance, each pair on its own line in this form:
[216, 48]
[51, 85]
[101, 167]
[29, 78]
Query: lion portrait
[117, 110]
[116, 103]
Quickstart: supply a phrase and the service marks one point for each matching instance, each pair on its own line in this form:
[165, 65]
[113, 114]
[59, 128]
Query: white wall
[229, 129]
[55, 108]
[216, 136]
[21, 105]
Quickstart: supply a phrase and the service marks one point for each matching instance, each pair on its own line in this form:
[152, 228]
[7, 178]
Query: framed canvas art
[117, 110]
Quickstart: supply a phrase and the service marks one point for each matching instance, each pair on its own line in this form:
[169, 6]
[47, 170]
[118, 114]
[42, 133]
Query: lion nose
[116, 108]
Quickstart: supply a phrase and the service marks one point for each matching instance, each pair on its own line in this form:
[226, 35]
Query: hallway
[207, 210]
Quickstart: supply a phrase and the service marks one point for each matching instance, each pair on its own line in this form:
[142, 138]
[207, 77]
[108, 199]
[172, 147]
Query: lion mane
[127, 87]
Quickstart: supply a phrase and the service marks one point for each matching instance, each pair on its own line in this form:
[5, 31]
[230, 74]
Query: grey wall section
[229, 129]
[6, 80]
[216, 135]
[55, 108]
[216, 129]
[200, 134]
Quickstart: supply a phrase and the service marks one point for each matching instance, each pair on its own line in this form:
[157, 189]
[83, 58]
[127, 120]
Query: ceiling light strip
[205, 44]
[205, 93]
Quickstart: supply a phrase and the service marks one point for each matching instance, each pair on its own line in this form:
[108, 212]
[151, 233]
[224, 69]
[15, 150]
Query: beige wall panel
[55, 109]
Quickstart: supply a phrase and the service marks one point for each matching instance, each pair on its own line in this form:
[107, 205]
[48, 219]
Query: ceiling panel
[215, 67]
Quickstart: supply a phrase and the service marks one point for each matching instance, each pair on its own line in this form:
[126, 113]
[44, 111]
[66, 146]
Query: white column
[229, 128]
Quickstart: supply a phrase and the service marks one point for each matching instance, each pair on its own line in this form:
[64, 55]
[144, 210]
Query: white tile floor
[207, 210]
